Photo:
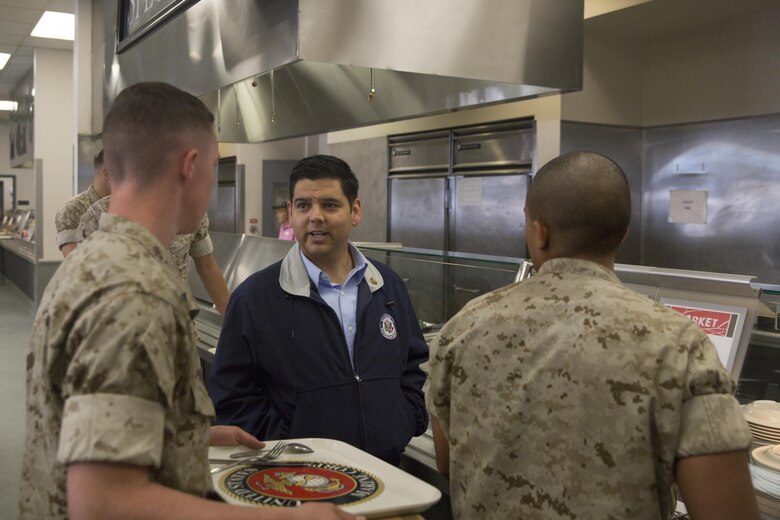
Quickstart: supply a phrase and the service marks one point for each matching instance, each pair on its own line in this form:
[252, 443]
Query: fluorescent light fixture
[59, 26]
[4, 57]
[7, 105]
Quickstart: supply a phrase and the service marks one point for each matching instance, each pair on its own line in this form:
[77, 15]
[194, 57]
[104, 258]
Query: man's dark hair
[97, 162]
[146, 126]
[317, 167]
[584, 200]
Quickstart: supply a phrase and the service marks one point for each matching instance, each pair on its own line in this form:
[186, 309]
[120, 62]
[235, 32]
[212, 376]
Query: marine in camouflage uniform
[67, 219]
[106, 384]
[569, 395]
[196, 244]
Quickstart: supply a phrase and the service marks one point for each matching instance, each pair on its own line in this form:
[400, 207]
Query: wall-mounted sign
[687, 207]
[721, 323]
[137, 19]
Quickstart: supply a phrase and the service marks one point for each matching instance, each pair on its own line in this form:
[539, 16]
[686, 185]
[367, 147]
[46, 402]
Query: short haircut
[317, 167]
[97, 162]
[584, 200]
[146, 126]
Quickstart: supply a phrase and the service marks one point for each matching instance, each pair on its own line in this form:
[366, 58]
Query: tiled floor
[15, 325]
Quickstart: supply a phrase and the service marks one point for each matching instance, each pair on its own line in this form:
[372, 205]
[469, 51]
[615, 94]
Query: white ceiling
[17, 19]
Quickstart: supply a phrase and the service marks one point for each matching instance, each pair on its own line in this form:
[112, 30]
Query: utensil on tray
[275, 452]
[292, 447]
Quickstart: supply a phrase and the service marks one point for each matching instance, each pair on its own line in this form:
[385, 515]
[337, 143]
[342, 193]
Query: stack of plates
[765, 469]
[763, 418]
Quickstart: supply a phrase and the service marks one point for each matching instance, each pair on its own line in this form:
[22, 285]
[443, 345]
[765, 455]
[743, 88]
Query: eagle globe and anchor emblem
[296, 482]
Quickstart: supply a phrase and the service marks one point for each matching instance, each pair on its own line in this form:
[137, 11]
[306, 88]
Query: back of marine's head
[584, 200]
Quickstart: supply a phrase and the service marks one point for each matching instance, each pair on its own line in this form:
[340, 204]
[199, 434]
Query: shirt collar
[578, 267]
[113, 223]
[317, 275]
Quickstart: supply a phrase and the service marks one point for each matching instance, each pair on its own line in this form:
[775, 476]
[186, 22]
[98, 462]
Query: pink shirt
[286, 232]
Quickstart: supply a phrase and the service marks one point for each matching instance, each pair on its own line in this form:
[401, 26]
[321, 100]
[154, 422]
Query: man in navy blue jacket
[323, 343]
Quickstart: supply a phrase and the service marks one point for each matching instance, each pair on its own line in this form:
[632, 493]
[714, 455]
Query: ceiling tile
[62, 6]
[15, 28]
[48, 43]
[24, 50]
[32, 4]
[7, 39]
[14, 14]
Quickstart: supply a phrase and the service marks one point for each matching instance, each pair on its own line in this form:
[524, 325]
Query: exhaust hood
[272, 69]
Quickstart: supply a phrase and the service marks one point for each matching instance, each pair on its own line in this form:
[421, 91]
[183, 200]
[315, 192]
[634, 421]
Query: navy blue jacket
[282, 369]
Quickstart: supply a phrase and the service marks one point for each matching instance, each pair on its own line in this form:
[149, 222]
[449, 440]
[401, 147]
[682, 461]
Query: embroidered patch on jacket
[293, 483]
[387, 326]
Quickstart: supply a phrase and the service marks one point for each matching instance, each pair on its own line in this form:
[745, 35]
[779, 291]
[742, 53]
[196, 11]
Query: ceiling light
[7, 105]
[4, 57]
[60, 26]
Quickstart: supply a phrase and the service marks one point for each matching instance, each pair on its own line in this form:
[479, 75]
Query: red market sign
[712, 323]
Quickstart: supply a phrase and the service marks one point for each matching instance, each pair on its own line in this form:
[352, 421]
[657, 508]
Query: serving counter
[735, 312]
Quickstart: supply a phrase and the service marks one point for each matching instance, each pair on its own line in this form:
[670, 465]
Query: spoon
[293, 447]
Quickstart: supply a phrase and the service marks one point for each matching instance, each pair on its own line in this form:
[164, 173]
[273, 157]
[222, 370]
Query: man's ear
[357, 212]
[541, 234]
[187, 164]
[625, 236]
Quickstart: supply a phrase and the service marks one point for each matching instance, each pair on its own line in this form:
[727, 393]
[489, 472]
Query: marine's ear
[187, 164]
[541, 234]
[625, 236]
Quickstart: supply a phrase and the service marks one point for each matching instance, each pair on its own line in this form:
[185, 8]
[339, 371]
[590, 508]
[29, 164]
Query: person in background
[67, 219]
[286, 231]
[118, 419]
[569, 395]
[197, 245]
[323, 343]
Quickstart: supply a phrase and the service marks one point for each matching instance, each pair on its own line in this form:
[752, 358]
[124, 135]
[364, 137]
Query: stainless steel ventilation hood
[273, 69]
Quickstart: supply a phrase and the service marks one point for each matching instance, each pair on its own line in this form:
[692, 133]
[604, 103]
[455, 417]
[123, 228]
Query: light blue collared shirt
[341, 298]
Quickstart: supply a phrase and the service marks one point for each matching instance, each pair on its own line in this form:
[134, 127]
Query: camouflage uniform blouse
[570, 396]
[67, 219]
[113, 374]
[183, 246]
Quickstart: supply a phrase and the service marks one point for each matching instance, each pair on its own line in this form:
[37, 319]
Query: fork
[275, 452]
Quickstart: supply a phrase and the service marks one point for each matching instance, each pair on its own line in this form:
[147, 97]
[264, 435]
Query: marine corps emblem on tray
[290, 484]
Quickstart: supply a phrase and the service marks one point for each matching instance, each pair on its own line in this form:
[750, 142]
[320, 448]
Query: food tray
[336, 472]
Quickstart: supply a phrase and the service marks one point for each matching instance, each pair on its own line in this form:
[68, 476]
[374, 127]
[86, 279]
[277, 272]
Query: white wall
[82, 67]
[611, 83]
[25, 187]
[730, 70]
[721, 71]
[252, 157]
[54, 142]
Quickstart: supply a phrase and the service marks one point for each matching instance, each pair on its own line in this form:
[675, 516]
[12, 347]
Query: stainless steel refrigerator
[461, 191]
[226, 209]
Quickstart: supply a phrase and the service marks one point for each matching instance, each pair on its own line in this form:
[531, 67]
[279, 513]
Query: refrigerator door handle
[458, 288]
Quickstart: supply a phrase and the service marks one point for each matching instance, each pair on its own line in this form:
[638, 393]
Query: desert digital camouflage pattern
[67, 219]
[113, 374]
[183, 246]
[191, 244]
[570, 396]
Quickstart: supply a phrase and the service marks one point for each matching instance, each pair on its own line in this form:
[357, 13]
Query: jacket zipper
[358, 380]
